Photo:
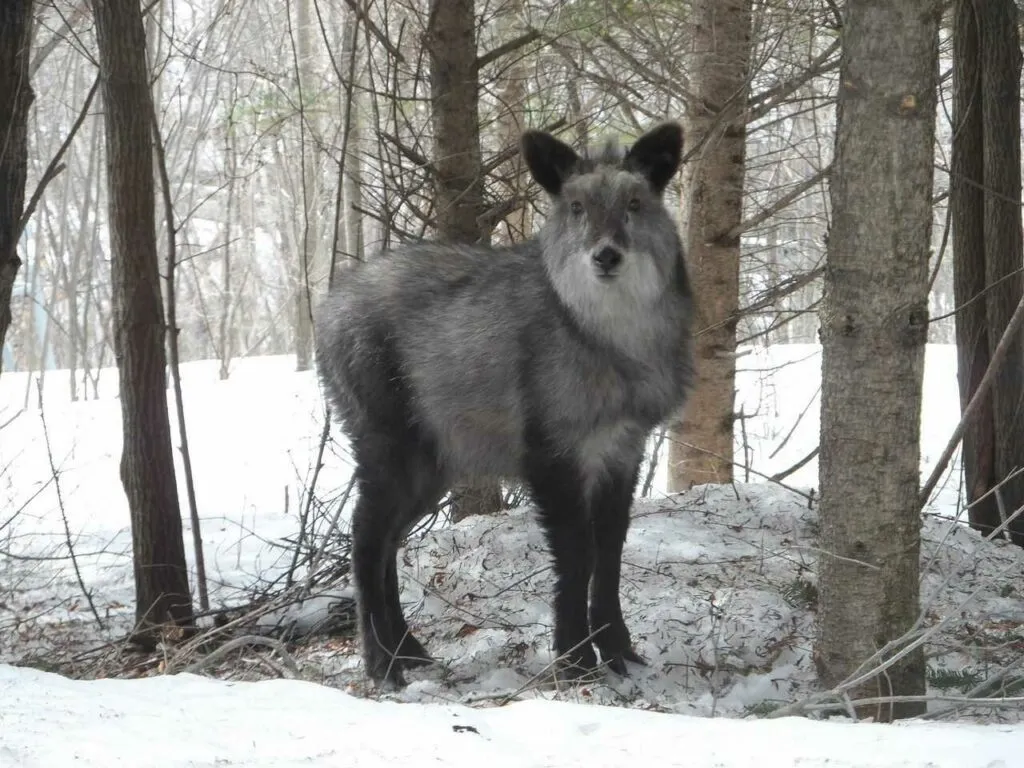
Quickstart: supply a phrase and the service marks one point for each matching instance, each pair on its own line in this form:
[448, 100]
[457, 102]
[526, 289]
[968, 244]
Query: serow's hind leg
[410, 651]
[371, 551]
[393, 505]
[558, 492]
[609, 514]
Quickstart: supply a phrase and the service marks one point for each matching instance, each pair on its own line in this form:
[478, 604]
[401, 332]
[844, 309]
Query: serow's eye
[576, 207]
[633, 204]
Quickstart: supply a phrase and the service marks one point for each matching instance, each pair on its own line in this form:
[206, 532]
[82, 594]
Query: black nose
[607, 259]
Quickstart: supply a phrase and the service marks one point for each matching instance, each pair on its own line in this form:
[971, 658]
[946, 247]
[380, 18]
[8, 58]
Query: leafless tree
[873, 331]
[15, 99]
[147, 462]
[985, 192]
[716, 127]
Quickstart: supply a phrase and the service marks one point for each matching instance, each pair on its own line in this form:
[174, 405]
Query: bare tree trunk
[1004, 251]
[967, 210]
[874, 322]
[458, 185]
[225, 333]
[81, 258]
[458, 188]
[511, 122]
[309, 240]
[578, 118]
[701, 448]
[986, 222]
[147, 462]
[15, 98]
[355, 241]
[352, 100]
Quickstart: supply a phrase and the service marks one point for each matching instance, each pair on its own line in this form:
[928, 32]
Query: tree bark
[701, 448]
[147, 462]
[354, 62]
[967, 212]
[15, 99]
[454, 101]
[985, 190]
[458, 181]
[225, 333]
[1004, 253]
[516, 226]
[309, 240]
[874, 324]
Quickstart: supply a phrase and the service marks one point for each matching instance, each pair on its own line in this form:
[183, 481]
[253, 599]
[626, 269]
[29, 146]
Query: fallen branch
[291, 668]
[992, 702]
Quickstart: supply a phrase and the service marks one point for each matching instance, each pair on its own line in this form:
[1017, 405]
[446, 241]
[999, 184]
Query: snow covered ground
[718, 590]
[48, 721]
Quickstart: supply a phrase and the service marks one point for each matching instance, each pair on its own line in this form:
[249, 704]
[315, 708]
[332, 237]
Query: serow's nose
[607, 259]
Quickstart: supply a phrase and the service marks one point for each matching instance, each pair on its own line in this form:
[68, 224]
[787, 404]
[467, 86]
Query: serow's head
[608, 224]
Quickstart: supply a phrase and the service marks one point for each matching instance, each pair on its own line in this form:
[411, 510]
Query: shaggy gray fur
[550, 361]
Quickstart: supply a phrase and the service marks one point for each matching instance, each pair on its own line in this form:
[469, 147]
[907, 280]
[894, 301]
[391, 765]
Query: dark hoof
[616, 647]
[383, 669]
[577, 666]
[616, 661]
[412, 654]
[389, 679]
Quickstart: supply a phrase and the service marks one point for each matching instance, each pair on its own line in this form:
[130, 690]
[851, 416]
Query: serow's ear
[550, 161]
[656, 155]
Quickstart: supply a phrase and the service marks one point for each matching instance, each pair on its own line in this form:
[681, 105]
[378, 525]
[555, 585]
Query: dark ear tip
[531, 136]
[670, 128]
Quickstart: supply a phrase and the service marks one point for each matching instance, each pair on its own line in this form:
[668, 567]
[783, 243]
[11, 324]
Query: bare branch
[56, 166]
[506, 48]
[376, 31]
[175, 364]
[779, 205]
[998, 356]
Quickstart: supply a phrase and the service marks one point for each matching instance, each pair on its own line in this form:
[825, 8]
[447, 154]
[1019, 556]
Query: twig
[715, 613]
[325, 433]
[530, 36]
[969, 413]
[748, 452]
[834, 556]
[910, 641]
[1008, 701]
[987, 684]
[792, 430]
[11, 420]
[381, 36]
[790, 470]
[55, 166]
[653, 464]
[213, 657]
[175, 363]
[346, 137]
[190, 646]
[318, 554]
[549, 668]
[63, 512]
[798, 492]
[782, 203]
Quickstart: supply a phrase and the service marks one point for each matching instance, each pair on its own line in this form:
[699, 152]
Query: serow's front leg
[609, 514]
[557, 490]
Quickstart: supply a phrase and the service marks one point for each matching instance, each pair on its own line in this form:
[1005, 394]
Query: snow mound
[718, 590]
